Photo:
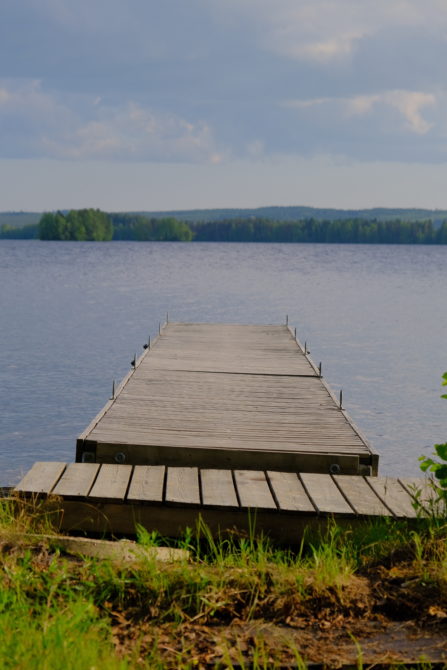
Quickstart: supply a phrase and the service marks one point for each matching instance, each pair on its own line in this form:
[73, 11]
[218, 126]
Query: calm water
[73, 314]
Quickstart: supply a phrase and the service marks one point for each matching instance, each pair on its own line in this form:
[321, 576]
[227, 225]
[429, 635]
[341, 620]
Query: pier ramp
[227, 396]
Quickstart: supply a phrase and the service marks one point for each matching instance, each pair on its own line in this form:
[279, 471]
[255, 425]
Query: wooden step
[116, 497]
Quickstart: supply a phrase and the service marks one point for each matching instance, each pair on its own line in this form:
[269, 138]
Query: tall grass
[59, 612]
[71, 636]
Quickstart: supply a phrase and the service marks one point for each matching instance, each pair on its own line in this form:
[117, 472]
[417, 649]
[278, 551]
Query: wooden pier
[227, 396]
[231, 425]
[113, 498]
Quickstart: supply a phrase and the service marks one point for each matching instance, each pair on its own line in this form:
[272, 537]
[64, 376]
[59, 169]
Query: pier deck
[114, 498]
[226, 396]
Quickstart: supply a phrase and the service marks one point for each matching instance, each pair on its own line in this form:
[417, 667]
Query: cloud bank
[209, 81]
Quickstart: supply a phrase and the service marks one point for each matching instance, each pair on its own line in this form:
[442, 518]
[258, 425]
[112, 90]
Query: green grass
[60, 612]
[71, 635]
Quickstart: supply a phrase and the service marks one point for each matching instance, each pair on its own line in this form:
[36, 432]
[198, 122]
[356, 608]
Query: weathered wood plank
[118, 518]
[111, 483]
[111, 511]
[423, 490]
[41, 478]
[226, 457]
[394, 495]
[253, 489]
[289, 492]
[218, 488]
[77, 479]
[361, 497]
[230, 349]
[324, 494]
[147, 483]
[125, 551]
[182, 486]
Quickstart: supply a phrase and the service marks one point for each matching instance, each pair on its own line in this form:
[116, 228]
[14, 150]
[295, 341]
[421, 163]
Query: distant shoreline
[274, 213]
[95, 225]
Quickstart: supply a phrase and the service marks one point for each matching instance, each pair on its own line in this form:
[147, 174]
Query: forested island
[96, 225]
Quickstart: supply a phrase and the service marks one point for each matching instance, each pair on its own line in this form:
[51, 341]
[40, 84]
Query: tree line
[95, 225]
[28, 232]
[357, 231]
[144, 229]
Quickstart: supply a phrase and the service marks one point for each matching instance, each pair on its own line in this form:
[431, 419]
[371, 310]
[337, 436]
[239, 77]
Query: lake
[74, 314]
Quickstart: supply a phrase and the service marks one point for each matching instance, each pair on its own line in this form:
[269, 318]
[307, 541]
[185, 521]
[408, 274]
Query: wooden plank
[361, 497]
[289, 492]
[103, 518]
[423, 490]
[228, 456]
[394, 495]
[232, 348]
[218, 488]
[77, 479]
[125, 551]
[96, 419]
[253, 489]
[41, 478]
[185, 406]
[147, 483]
[324, 494]
[111, 483]
[182, 486]
[118, 390]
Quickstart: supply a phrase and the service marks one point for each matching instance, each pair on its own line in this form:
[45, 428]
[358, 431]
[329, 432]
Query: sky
[185, 104]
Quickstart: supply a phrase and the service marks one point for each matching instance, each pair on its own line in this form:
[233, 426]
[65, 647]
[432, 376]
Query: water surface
[72, 315]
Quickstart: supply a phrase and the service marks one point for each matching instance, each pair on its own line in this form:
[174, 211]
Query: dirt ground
[386, 618]
[340, 644]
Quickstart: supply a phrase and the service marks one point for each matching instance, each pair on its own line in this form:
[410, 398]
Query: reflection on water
[73, 315]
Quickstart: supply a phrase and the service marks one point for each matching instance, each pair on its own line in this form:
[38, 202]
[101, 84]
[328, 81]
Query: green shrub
[438, 467]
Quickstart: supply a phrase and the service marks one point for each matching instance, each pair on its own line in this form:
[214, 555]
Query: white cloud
[320, 31]
[409, 104]
[4, 96]
[326, 31]
[329, 49]
[45, 124]
[361, 104]
[134, 132]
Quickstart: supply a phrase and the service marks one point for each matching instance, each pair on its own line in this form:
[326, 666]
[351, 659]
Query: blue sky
[221, 103]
